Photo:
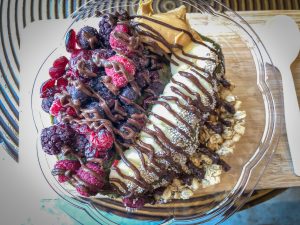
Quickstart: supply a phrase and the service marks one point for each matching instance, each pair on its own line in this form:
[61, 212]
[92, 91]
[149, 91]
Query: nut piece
[216, 139]
[212, 175]
[186, 193]
[236, 138]
[230, 98]
[196, 160]
[227, 133]
[240, 115]
[167, 194]
[237, 105]
[195, 184]
[225, 151]
[238, 128]
[206, 159]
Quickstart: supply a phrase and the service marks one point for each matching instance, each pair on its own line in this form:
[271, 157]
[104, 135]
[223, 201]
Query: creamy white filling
[172, 134]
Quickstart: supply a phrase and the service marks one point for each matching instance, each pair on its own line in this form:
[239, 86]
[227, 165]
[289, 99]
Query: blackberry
[142, 78]
[95, 105]
[77, 95]
[106, 25]
[55, 137]
[141, 62]
[156, 88]
[129, 93]
[88, 38]
[99, 87]
[154, 75]
[46, 103]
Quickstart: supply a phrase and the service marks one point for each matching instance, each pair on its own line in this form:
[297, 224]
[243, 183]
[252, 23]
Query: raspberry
[71, 111]
[55, 137]
[56, 72]
[48, 89]
[102, 140]
[88, 38]
[56, 107]
[70, 41]
[83, 191]
[106, 25]
[61, 62]
[93, 175]
[116, 43]
[64, 169]
[46, 103]
[135, 203]
[62, 83]
[122, 28]
[119, 79]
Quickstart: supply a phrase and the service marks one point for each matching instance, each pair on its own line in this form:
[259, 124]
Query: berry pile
[97, 97]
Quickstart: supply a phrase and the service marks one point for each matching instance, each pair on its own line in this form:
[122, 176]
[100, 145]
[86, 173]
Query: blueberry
[129, 93]
[88, 38]
[95, 105]
[46, 103]
[77, 95]
[130, 109]
[55, 120]
[97, 85]
[80, 144]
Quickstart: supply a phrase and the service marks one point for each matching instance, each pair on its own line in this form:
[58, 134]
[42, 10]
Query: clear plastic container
[256, 84]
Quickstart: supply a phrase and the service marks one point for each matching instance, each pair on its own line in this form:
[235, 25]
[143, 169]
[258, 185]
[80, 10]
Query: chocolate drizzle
[189, 100]
[173, 155]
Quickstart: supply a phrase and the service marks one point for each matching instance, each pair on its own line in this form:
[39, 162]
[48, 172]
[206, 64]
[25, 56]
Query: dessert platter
[143, 114]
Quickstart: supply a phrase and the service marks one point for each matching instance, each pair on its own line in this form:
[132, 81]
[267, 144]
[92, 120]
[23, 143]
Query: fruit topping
[54, 138]
[88, 38]
[102, 140]
[122, 70]
[64, 169]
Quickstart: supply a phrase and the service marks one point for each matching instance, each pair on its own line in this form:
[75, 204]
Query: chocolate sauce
[193, 103]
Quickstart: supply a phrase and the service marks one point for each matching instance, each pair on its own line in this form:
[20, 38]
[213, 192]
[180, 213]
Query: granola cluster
[223, 143]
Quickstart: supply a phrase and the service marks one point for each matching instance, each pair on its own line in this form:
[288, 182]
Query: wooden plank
[279, 173]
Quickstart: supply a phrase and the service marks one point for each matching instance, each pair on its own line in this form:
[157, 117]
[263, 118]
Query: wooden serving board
[279, 173]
